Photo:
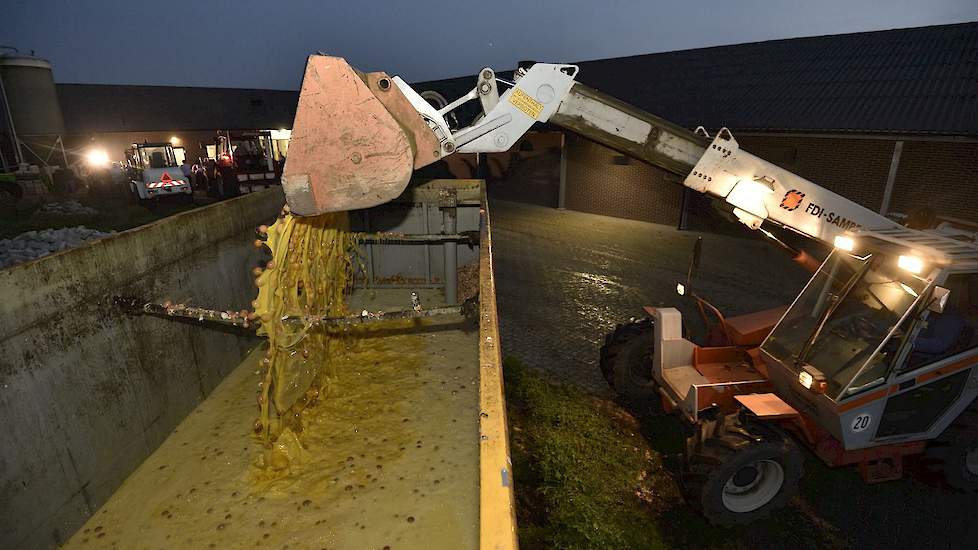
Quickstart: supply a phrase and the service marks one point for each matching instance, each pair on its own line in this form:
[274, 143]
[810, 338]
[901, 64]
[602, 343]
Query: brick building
[888, 119]
[111, 117]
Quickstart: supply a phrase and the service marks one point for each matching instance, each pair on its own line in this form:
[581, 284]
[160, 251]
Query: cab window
[954, 331]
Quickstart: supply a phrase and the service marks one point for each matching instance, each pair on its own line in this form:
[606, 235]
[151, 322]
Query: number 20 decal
[861, 422]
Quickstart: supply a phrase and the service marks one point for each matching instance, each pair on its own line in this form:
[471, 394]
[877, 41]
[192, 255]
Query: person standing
[188, 171]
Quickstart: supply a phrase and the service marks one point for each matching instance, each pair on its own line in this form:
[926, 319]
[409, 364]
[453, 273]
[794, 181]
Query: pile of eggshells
[36, 244]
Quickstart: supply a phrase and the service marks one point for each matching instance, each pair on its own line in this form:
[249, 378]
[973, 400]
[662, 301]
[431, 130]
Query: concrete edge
[63, 281]
[497, 507]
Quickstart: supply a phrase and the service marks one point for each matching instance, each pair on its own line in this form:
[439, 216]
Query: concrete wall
[86, 392]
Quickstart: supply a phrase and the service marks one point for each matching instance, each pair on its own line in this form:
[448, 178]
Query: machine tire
[716, 477]
[626, 359]
[956, 452]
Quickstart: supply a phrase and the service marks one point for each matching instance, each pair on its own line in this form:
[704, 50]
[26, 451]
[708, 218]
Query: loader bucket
[347, 150]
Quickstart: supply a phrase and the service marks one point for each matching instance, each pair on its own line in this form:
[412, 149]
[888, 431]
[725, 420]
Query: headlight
[806, 379]
[913, 264]
[843, 242]
[97, 158]
[812, 379]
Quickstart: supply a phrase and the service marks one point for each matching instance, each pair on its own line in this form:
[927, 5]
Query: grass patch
[585, 478]
[590, 473]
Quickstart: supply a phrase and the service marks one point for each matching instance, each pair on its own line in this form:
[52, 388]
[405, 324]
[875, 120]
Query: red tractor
[242, 162]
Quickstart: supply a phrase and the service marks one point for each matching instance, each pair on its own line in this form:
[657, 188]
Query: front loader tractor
[874, 361]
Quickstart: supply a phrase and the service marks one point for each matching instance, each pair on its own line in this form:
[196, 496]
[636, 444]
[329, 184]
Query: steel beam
[632, 131]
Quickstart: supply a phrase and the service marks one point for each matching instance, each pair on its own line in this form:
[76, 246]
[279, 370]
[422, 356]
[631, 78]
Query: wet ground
[565, 278]
[391, 458]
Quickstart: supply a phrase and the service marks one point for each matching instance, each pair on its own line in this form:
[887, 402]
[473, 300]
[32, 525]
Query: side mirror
[938, 299]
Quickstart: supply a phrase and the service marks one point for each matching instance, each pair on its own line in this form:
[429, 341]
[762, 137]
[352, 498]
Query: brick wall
[529, 171]
[940, 176]
[853, 168]
[602, 181]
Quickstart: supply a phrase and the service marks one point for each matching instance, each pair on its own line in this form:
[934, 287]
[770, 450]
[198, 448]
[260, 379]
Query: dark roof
[908, 81]
[93, 108]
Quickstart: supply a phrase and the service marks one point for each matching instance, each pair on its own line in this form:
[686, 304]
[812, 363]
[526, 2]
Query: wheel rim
[753, 486]
[971, 461]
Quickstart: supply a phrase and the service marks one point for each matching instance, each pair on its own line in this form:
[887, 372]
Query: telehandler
[875, 359]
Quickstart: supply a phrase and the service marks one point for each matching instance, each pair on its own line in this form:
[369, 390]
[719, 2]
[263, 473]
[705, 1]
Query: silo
[32, 103]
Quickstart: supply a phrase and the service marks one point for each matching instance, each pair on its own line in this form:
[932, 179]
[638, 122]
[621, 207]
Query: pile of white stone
[66, 208]
[35, 244]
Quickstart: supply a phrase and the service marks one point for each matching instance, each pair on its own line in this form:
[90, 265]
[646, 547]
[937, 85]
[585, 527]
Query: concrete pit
[390, 458]
[135, 431]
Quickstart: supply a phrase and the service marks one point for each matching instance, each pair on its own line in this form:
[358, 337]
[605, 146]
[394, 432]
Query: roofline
[595, 60]
[20, 60]
[155, 86]
[774, 40]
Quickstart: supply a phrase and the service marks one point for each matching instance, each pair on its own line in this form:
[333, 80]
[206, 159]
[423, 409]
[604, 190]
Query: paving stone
[565, 278]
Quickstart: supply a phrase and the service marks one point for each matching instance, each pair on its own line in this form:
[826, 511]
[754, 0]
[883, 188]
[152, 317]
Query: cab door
[938, 373]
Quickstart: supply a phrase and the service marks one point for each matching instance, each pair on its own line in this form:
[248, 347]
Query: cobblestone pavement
[564, 279]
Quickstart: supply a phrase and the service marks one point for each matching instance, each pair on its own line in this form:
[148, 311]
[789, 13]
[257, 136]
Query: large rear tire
[626, 359]
[956, 451]
[742, 474]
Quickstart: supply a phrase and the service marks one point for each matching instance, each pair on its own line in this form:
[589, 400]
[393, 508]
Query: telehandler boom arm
[357, 138]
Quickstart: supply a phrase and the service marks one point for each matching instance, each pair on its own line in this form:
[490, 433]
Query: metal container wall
[28, 84]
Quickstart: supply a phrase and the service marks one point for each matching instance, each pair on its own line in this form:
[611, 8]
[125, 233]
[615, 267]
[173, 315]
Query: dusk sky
[246, 43]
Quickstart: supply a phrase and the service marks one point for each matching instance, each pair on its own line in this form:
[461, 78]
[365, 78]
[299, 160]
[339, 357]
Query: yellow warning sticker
[525, 103]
